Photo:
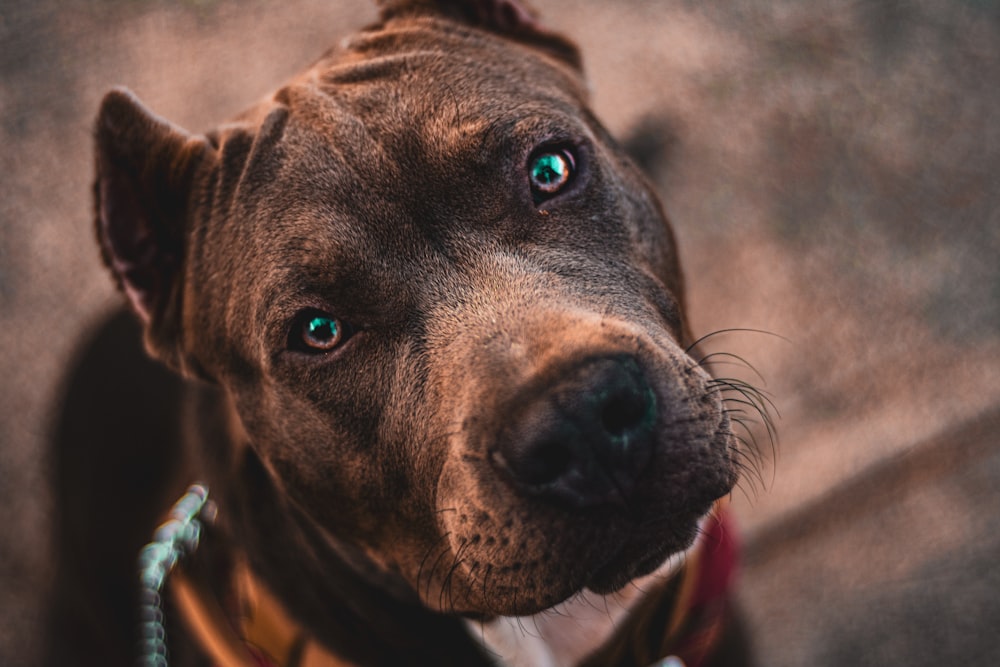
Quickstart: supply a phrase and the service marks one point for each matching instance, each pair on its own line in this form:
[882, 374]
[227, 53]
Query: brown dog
[432, 326]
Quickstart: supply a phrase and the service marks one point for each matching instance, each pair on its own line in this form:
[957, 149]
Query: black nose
[584, 440]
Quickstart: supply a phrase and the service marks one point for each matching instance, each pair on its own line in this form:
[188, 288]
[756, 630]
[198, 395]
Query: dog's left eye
[550, 171]
[317, 332]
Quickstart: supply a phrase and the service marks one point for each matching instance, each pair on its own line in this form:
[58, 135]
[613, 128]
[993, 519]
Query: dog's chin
[639, 557]
[625, 569]
[607, 572]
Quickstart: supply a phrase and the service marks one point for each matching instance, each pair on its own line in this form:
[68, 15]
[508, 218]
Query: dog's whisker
[765, 397]
[747, 406]
[762, 415]
[765, 417]
[607, 608]
[740, 361]
[750, 470]
[715, 520]
[423, 562]
[749, 449]
[719, 332]
[750, 453]
[753, 447]
[739, 413]
[743, 422]
[739, 417]
[641, 590]
[734, 385]
[748, 477]
[534, 621]
[749, 464]
[437, 562]
[520, 622]
[709, 365]
[486, 576]
[758, 402]
[448, 579]
[750, 495]
[760, 409]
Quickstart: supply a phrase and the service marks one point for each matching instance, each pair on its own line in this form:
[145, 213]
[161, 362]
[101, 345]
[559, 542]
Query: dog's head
[444, 306]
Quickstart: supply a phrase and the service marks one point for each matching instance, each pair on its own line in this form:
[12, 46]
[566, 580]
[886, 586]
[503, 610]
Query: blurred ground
[831, 170]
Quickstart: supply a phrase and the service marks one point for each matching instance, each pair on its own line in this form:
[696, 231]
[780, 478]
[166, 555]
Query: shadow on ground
[831, 171]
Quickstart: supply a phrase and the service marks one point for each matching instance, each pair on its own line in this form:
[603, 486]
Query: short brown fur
[388, 186]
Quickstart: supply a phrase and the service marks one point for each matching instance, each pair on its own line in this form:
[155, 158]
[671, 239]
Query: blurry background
[833, 172]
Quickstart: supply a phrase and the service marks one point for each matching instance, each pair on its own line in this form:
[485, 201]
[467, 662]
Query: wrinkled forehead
[396, 137]
[419, 105]
[435, 81]
[437, 53]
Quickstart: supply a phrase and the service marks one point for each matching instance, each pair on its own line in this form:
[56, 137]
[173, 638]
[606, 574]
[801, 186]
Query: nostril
[625, 412]
[549, 461]
[620, 414]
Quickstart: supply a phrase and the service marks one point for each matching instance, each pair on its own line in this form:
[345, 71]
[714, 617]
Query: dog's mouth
[534, 558]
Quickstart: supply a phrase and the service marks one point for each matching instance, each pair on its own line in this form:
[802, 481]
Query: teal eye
[550, 172]
[320, 332]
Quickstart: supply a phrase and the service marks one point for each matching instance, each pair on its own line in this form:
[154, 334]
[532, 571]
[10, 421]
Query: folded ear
[511, 18]
[146, 171]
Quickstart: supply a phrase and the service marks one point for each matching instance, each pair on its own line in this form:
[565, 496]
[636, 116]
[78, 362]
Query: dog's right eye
[317, 332]
[550, 171]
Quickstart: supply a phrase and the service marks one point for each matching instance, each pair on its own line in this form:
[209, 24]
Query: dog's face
[445, 307]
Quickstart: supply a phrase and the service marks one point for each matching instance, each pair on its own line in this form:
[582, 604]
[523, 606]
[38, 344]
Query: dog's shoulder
[115, 456]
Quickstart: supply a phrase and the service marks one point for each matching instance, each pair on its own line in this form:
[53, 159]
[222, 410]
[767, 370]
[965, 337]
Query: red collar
[708, 605]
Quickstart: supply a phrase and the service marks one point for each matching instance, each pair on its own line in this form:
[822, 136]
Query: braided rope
[672, 661]
[173, 540]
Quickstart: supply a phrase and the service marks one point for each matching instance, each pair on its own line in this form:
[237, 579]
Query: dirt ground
[832, 172]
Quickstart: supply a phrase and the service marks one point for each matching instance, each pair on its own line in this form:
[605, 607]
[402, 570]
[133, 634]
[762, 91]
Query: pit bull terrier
[426, 329]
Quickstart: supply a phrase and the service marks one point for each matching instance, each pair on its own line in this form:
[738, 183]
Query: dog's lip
[615, 573]
[641, 555]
